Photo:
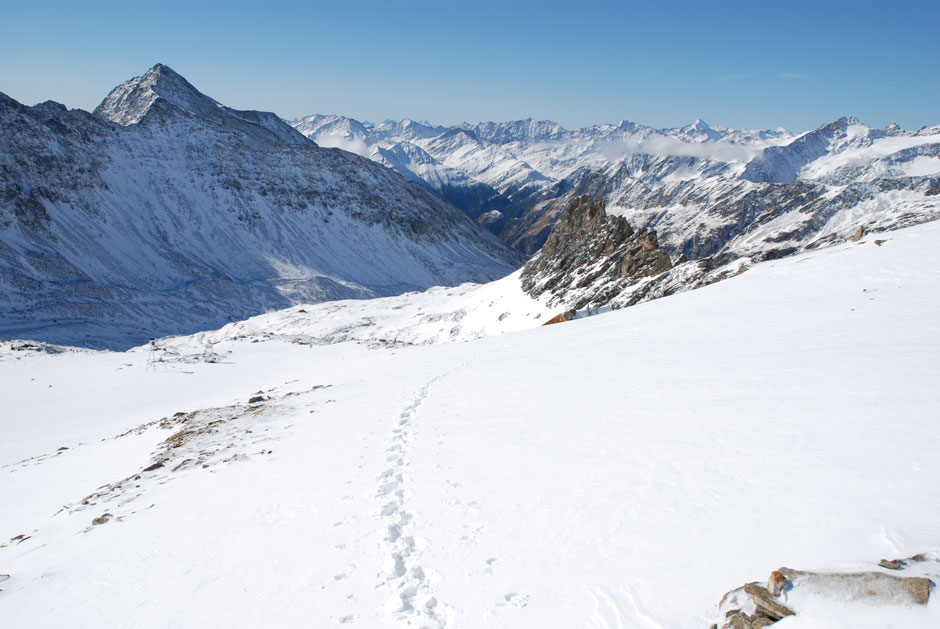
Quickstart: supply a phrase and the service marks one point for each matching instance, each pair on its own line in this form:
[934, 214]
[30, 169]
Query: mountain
[505, 175]
[166, 212]
[712, 194]
[716, 218]
[714, 199]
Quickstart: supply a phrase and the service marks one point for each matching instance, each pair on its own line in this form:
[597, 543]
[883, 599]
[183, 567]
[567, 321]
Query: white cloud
[353, 145]
[666, 146]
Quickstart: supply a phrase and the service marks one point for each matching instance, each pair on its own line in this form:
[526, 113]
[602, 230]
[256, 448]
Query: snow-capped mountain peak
[130, 101]
[161, 89]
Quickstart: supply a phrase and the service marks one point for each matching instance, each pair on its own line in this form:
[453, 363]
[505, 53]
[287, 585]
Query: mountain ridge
[196, 214]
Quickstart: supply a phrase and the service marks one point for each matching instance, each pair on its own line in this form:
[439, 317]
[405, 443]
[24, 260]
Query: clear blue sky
[746, 64]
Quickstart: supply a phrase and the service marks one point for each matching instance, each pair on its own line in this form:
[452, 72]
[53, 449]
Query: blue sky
[581, 62]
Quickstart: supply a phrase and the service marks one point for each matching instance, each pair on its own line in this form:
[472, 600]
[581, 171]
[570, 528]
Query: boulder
[871, 587]
[765, 603]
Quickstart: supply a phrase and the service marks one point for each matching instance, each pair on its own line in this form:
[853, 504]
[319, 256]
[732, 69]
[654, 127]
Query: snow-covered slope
[623, 470]
[166, 212]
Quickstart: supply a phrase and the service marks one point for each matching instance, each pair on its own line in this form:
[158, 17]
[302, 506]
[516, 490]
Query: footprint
[514, 599]
[399, 568]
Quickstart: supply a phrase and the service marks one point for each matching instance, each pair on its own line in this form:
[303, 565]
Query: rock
[766, 605]
[776, 583]
[102, 519]
[568, 315]
[739, 620]
[257, 399]
[872, 587]
[590, 257]
[858, 234]
[894, 564]
[879, 242]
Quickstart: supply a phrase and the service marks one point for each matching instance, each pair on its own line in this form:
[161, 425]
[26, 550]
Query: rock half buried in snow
[754, 605]
[765, 603]
[750, 607]
[901, 564]
[872, 587]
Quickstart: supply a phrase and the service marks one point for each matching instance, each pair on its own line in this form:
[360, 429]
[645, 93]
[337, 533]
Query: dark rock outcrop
[590, 257]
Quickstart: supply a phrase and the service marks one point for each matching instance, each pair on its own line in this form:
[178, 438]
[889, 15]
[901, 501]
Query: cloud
[335, 141]
[668, 146]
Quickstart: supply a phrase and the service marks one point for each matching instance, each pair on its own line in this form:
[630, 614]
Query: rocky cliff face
[166, 212]
[591, 258]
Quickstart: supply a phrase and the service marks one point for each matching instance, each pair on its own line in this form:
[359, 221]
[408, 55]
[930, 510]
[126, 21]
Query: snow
[623, 470]
[438, 315]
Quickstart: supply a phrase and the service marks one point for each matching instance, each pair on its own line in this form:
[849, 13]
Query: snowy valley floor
[623, 470]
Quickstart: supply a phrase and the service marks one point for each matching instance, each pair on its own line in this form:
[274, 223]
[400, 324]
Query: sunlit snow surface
[623, 470]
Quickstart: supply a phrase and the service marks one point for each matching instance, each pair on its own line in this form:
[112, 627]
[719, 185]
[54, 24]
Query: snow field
[622, 470]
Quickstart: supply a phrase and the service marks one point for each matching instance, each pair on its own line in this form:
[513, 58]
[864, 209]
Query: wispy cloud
[668, 146]
[734, 77]
[796, 76]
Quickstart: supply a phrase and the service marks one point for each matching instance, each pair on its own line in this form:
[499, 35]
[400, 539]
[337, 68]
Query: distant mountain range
[166, 212]
[686, 182]
[712, 200]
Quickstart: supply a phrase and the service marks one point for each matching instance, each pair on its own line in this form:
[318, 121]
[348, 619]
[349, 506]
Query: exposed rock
[858, 233]
[102, 519]
[257, 399]
[155, 466]
[776, 583]
[590, 257]
[738, 621]
[753, 605]
[880, 242]
[765, 602]
[568, 315]
[872, 587]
